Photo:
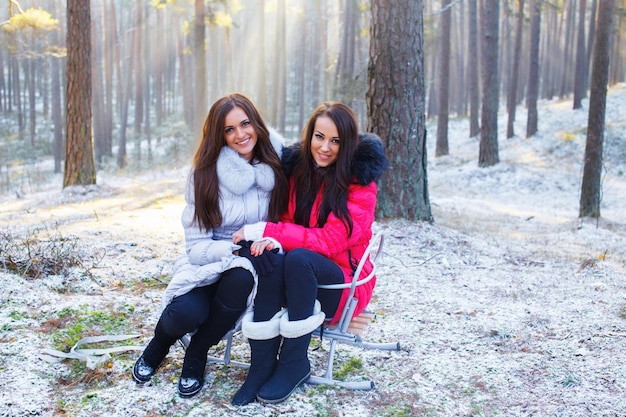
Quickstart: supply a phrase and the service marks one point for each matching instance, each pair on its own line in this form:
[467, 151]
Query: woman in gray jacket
[236, 179]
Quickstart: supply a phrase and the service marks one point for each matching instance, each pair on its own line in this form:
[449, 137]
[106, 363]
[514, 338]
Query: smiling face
[325, 142]
[239, 133]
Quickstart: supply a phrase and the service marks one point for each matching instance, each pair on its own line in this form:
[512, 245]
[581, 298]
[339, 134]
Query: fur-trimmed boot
[264, 339]
[293, 366]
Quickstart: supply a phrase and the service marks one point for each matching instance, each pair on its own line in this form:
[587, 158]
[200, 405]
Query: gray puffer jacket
[245, 191]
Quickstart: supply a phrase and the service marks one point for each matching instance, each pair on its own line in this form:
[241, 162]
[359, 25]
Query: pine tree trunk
[79, 158]
[590, 38]
[488, 152]
[97, 97]
[565, 61]
[514, 81]
[533, 75]
[281, 70]
[592, 172]
[395, 104]
[444, 80]
[580, 75]
[474, 94]
[199, 89]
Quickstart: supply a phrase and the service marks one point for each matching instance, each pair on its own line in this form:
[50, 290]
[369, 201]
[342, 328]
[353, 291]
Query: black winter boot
[153, 355]
[292, 370]
[264, 338]
[293, 367]
[263, 359]
[220, 321]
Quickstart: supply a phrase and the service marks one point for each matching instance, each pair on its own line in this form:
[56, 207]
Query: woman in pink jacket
[325, 231]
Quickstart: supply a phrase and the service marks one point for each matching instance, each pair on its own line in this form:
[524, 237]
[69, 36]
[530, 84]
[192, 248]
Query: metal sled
[347, 330]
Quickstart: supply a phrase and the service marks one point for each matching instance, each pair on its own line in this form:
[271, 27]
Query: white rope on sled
[92, 357]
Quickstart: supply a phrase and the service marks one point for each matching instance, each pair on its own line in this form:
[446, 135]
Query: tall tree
[590, 37]
[511, 103]
[57, 66]
[396, 106]
[262, 83]
[533, 74]
[138, 58]
[345, 60]
[472, 43]
[566, 63]
[79, 157]
[581, 58]
[200, 85]
[592, 172]
[97, 88]
[444, 79]
[280, 101]
[488, 152]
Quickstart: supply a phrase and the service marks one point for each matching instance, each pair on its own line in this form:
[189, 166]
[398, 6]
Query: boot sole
[187, 394]
[142, 379]
[279, 400]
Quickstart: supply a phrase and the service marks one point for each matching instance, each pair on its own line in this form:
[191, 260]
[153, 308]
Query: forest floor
[507, 304]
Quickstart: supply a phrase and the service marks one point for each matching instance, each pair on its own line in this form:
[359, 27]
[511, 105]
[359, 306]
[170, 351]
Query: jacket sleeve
[200, 246]
[333, 236]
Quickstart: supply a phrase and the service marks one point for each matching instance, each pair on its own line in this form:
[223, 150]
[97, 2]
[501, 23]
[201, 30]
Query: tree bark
[514, 81]
[590, 38]
[580, 74]
[566, 64]
[97, 87]
[590, 195]
[488, 152]
[199, 90]
[396, 107]
[281, 70]
[444, 80]
[474, 94]
[533, 75]
[79, 158]
[345, 59]
[29, 72]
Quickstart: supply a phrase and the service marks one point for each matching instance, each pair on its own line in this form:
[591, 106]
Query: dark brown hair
[206, 185]
[335, 178]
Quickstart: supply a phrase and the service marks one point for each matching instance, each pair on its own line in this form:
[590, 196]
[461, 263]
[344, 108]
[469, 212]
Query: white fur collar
[238, 176]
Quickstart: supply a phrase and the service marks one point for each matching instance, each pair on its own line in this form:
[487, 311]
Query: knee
[235, 286]
[297, 259]
[175, 324]
[236, 279]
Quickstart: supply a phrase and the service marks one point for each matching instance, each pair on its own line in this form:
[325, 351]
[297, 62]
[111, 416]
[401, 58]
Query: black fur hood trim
[368, 164]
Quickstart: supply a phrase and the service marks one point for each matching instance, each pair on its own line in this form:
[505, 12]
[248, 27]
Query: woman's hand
[259, 246]
[238, 236]
[256, 248]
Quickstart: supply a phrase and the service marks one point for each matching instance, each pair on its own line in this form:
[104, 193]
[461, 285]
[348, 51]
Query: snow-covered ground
[507, 305]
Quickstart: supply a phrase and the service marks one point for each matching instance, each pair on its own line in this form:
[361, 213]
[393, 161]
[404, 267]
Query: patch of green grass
[88, 398]
[71, 325]
[348, 368]
[398, 410]
[475, 409]
[570, 380]
[18, 315]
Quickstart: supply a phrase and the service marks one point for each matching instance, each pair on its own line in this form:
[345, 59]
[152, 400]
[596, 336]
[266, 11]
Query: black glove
[264, 263]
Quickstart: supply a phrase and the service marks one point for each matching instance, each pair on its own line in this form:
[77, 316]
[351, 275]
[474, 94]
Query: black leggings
[211, 310]
[296, 287]
[304, 271]
[187, 312]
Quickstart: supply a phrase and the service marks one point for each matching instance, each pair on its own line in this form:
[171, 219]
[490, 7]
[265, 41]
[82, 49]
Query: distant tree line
[156, 65]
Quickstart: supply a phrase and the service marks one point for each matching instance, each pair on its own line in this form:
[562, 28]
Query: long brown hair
[206, 185]
[336, 178]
